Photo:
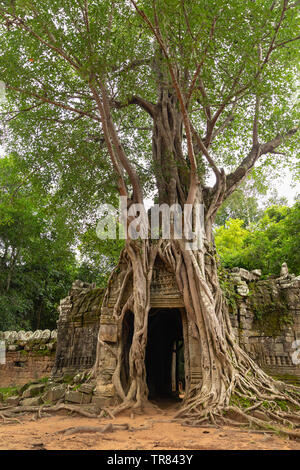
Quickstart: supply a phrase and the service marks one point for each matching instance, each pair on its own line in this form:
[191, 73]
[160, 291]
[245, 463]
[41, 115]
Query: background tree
[169, 91]
[248, 201]
[273, 240]
[43, 249]
[36, 258]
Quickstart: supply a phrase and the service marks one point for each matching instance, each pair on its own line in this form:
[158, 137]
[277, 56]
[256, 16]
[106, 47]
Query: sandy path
[161, 435]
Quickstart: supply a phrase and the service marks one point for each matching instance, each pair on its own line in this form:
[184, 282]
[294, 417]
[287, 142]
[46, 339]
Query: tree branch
[132, 65]
[270, 146]
[144, 104]
[205, 152]
[235, 178]
[227, 121]
[55, 103]
[285, 42]
[156, 31]
[199, 66]
[121, 183]
[19, 21]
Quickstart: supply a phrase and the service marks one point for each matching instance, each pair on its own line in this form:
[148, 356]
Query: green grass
[9, 391]
[240, 401]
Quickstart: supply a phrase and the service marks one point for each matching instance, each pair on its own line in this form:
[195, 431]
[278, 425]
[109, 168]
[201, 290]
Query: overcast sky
[288, 187]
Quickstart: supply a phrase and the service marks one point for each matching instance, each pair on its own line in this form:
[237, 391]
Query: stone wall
[77, 327]
[266, 321]
[28, 356]
[265, 316]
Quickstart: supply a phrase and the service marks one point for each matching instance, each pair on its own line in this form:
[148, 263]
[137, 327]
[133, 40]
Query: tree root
[47, 408]
[231, 382]
[106, 411]
[102, 429]
[93, 429]
[7, 420]
[275, 424]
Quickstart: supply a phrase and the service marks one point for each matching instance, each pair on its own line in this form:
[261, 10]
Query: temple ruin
[265, 315]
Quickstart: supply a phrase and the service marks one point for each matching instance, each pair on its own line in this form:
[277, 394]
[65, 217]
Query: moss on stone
[9, 391]
[240, 401]
[43, 352]
[227, 286]
[43, 380]
[270, 309]
[288, 378]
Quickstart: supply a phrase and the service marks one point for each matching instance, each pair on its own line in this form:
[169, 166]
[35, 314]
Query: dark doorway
[127, 334]
[164, 354]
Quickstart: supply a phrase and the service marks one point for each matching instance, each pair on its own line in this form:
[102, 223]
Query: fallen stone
[101, 402]
[106, 390]
[245, 275]
[86, 388]
[256, 273]
[34, 401]
[13, 400]
[74, 396]
[33, 390]
[55, 393]
[242, 289]
[78, 378]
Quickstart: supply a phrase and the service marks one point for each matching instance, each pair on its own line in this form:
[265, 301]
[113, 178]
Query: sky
[287, 187]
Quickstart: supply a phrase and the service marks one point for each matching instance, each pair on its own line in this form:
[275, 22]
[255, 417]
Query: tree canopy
[179, 99]
[235, 64]
[266, 244]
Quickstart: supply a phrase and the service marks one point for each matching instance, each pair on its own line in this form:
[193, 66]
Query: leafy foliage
[52, 51]
[274, 239]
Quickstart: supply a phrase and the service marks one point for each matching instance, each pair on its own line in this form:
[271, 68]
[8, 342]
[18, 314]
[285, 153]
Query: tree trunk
[229, 376]
[170, 165]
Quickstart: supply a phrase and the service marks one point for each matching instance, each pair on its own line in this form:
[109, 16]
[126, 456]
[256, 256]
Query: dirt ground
[161, 434]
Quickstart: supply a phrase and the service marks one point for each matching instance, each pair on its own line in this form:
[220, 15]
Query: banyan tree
[179, 99]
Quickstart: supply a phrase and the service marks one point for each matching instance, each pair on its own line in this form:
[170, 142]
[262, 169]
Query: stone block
[256, 273]
[33, 390]
[13, 400]
[87, 388]
[108, 333]
[75, 396]
[101, 402]
[278, 347]
[34, 401]
[242, 288]
[55, 393]
[105, 390]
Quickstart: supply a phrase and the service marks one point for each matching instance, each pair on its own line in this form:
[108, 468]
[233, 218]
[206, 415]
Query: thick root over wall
[233, 388]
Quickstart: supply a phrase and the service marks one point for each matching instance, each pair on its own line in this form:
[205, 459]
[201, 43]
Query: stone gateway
[265, 316]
